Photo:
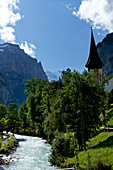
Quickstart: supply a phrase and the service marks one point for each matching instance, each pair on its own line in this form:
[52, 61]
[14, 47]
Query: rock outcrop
[6, 94]
[105, 51]
[17, 67]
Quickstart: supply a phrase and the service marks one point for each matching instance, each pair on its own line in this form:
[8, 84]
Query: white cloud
[7, 34]
[74, 13]
[99, 12]
[28, 48]
[8, 19]
[32, 46]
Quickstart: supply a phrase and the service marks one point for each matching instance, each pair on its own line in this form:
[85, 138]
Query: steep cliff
[6, 94]
[17, 67]
[105, 51]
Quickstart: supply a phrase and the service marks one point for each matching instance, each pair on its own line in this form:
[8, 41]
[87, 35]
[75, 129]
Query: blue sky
[56, 32]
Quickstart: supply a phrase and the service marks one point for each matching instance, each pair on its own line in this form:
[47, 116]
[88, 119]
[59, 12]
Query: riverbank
[32, 153]
[8, 146]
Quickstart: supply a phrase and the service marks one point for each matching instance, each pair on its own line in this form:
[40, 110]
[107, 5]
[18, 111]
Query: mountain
[53, 75]
[17, 67]
[6, 94]
[105, 51]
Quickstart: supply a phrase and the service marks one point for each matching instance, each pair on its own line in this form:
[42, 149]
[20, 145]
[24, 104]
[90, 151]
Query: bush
[63, 146]
[8, 144]
[101, 166]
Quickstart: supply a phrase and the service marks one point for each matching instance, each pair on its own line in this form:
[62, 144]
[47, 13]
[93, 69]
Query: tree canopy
[72, 104]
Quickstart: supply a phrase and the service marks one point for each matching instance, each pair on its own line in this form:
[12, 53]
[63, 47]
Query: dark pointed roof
[93, 61]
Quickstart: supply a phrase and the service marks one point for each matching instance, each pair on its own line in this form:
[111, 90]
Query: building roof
[1, 127]
[93, 61]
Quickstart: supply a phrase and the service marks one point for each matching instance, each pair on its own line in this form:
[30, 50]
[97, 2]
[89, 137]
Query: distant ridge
[105, 51]
[53, 75]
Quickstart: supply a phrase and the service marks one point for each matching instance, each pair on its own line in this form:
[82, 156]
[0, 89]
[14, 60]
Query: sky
[56, 32]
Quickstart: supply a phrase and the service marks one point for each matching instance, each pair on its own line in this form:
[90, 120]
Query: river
[32, 154]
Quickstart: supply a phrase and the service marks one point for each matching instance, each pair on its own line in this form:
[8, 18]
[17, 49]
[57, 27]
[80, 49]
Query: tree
[63, 146]
[90, 101]
[30, 85]
[51, 122]
[3, 111]
[77, 106]
[34, 89]
[73, 103]
[11, 121]
[23, 117]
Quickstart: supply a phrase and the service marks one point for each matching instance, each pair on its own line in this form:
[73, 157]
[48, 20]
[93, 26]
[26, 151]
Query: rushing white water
[32, 154]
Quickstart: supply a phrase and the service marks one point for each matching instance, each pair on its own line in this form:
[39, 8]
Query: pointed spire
[91, 30]
[93, 62]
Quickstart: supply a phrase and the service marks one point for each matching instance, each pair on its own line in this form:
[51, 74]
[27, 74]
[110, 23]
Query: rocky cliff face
[105, 51]
[6, 94]
[17, 67]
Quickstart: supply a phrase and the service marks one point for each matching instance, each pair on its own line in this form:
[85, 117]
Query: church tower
[94, 63]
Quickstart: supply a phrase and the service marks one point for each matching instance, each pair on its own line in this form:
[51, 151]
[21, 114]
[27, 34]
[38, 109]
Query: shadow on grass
[96, 133]
[107, 143]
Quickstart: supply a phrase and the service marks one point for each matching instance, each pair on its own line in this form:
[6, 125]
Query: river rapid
[32, 154]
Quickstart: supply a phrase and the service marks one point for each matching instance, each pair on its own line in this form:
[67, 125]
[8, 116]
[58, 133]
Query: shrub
[8, 143]
[63, 146]
[101, 165]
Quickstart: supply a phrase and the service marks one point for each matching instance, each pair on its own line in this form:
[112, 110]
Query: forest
[67, 112]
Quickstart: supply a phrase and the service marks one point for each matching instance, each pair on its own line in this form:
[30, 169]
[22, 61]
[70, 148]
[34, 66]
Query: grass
[8, 144]
[102, 139]
[110, 123]
[99, 149]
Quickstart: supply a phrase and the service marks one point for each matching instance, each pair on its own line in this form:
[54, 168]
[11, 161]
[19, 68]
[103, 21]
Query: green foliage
[99, 153]
[72, 104]
[11, 121]
[24, 118]
[3, 111]
[99, 139]
[63, 146]
[31, 85]
[108, 119]
[77, 105]
[110, 122]
[66, 113]
[0, 141]
[101, 165]
[34, 89]
[8, 144]
[110, 98]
